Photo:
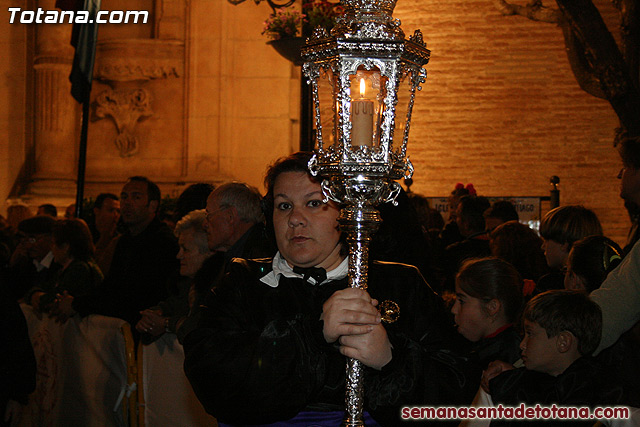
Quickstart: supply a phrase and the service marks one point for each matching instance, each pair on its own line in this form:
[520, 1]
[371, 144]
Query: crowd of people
[256, 289]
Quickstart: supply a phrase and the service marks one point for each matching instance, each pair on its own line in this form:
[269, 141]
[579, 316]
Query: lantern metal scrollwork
[364, 77]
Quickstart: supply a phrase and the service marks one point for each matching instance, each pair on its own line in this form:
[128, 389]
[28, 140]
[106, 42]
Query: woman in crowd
[450, 232]
[194, 250]
[73, 250]
[590, 261]
[520, 246]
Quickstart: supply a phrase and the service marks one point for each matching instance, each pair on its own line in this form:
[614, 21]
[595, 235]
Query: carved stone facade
[125, 107]
[138, 108]
[165, 95]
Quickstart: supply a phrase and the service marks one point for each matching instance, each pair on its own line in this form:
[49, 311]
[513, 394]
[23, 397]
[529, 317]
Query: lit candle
[362, 119]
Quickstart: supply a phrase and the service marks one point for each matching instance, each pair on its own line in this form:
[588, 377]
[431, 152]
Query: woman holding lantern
[271, 347]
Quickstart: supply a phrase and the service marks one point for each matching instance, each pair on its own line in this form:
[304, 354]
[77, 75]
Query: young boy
[562, 329]
[561, 228]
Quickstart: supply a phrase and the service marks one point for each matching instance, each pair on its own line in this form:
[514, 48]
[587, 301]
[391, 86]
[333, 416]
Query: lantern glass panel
[327, 97]
[367, 92]
[402, 110]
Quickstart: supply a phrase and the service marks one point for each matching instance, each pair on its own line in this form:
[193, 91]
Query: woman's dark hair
[520, 246]
[492, 278]
[472, 211]
[75, 233]
[429, 218]
[296, 162]
[504, 210]
[593, 258]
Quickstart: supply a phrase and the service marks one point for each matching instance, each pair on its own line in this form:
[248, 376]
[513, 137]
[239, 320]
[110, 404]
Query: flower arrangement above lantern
[289, 25]
[289, 21]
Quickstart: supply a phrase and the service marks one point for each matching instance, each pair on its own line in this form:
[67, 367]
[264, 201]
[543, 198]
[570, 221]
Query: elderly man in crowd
[235, 222]
[235, 229]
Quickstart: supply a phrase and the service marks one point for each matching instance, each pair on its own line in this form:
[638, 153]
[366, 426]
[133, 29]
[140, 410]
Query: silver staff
[364, 77]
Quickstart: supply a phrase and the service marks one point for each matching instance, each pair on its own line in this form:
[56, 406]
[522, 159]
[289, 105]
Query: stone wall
[244, 105]
[501, 109]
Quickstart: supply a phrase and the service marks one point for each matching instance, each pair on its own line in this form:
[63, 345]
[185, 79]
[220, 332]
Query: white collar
[45, 263]
[280, 267]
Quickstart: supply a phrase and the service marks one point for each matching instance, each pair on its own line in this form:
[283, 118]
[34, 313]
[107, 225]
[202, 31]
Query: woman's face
[306, 228]
[472, 321]
[190, 256]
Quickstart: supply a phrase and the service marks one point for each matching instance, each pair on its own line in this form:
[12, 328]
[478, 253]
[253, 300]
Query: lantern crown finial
[368, 19]
[382, 6]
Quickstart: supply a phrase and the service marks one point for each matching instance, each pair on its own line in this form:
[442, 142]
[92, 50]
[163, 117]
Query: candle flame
[362, 86]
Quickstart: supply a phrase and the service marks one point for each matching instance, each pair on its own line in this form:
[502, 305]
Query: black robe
[259, 354]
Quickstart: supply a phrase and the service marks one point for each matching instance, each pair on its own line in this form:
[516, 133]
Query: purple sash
[312, 419]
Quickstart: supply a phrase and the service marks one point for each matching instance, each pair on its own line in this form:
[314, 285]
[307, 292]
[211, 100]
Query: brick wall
[501, 109]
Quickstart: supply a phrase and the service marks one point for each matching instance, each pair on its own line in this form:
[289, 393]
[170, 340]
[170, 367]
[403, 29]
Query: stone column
[56, 112]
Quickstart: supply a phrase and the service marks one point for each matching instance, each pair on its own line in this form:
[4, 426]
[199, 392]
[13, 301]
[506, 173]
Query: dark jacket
[474, 246]
[141, 266]
[503, 346]
[20, 279]
[254, 243]
[584, 383]
[259, 354]
[17, 362]
[79, 278]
